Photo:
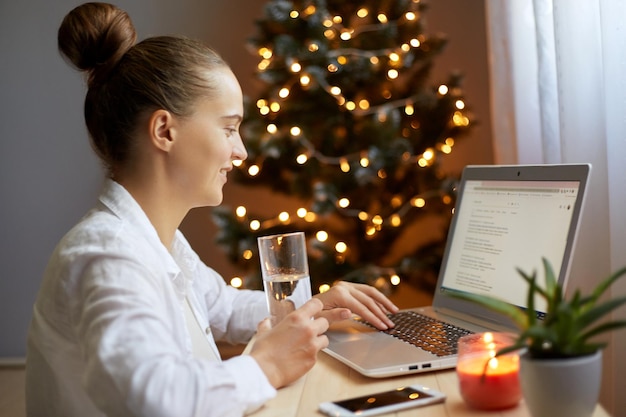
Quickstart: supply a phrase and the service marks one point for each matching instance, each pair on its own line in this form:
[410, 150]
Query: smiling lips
[224, 171]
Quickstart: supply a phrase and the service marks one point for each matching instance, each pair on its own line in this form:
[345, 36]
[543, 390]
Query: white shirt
[108, 333]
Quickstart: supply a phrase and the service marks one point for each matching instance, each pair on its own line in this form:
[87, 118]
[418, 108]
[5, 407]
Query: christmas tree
[348, 123]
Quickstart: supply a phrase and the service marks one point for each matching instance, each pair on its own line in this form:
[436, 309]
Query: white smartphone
[383, 402]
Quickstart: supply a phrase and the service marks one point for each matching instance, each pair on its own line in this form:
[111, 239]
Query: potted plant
[559, 351]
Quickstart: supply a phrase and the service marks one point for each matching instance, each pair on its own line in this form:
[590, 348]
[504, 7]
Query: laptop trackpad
[347, 330]
[369, 348]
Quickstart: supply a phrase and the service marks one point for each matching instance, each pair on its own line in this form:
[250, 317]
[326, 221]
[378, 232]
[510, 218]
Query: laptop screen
[502, 225]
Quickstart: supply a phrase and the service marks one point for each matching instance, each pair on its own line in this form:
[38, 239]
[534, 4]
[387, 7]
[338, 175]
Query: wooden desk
[331, 380]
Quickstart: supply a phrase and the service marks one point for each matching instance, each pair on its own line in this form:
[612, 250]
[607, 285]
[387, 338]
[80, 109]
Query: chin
[212, 201]
[215, 200]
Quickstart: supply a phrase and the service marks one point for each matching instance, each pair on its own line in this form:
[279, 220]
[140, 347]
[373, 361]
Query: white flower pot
[561, 387]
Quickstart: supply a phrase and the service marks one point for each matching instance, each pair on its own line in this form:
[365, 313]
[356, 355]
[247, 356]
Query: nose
[239, 149]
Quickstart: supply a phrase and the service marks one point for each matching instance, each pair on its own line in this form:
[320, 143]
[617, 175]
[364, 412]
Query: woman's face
[208, 142]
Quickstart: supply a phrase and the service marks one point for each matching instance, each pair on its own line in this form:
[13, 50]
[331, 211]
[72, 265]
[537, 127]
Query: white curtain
[558, 83]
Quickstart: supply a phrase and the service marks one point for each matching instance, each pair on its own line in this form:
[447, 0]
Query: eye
[230, 131]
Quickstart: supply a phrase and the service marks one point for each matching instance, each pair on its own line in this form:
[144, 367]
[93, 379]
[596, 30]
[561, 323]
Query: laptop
[506, 217]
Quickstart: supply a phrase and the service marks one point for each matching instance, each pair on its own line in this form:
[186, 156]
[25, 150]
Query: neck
[161, 206]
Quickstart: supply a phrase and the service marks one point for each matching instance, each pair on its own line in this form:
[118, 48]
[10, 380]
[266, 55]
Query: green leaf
[551, 284]
[494, 304]
[529, 279]
[613, 325]
[604, 285]
[595, 313]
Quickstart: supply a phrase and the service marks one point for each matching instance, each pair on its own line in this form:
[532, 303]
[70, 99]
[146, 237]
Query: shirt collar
[122, 204]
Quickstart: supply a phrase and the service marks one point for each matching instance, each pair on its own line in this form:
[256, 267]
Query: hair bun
[95, 36]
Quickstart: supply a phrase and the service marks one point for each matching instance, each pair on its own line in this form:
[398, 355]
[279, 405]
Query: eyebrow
[234, 117]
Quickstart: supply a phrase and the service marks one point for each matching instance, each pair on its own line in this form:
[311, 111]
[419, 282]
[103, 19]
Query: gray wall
[48, 174]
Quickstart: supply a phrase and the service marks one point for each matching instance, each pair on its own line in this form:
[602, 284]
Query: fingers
[289, 349]
[380, 298]
[363, 300]
[264, 325]
[302, 317]
[311, 307]
[336, 314]
[372, 312]
[318, 326]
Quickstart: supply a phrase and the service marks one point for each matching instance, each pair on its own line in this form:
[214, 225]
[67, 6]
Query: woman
[114, 325]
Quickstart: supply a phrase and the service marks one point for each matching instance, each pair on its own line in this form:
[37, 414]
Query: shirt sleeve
[232, 313]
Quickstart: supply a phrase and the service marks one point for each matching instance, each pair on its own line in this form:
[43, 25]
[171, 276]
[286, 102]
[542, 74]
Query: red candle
[487, 382]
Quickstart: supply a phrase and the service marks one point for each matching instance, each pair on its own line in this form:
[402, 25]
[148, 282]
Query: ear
[161, 128]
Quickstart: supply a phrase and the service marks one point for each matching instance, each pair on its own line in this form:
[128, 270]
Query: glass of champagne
[285, 271]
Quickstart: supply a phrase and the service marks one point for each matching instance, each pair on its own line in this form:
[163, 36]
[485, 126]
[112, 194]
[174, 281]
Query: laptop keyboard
[435, 336]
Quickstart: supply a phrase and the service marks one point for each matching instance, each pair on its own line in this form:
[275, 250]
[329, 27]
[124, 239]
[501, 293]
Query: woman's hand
[347, 298]
[288, 350]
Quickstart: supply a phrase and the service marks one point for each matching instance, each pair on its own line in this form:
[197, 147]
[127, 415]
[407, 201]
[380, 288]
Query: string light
[343, 162]
[395, 59]
[301, 159]
[262, 66]
[295, 131]
[374, 223]
[254, 170]
[322, 236]
[418, 202]
[459, 119]
[334, 25]
[394, 279]
[341, 247]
